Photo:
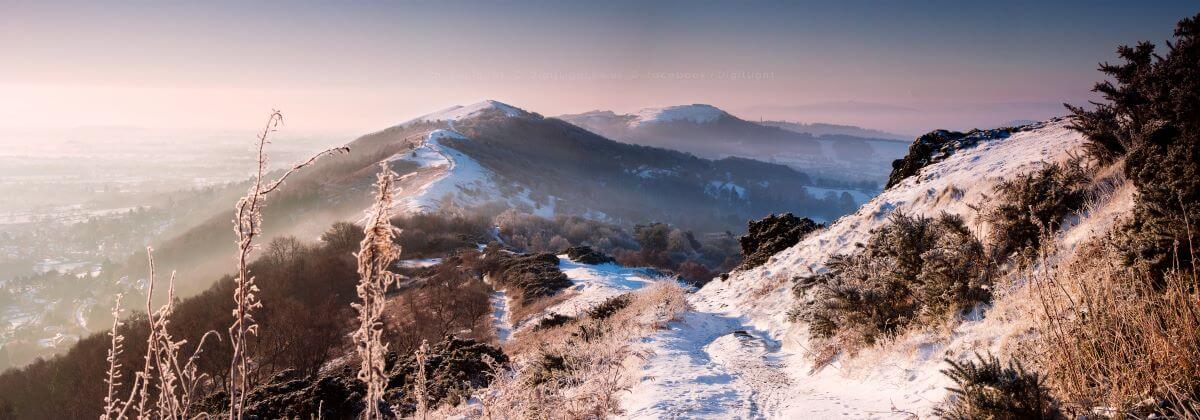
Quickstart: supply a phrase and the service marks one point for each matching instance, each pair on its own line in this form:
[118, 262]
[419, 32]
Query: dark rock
[453, 368]
[333, 394]
[938, 145]
[772, 234]
[585, 254]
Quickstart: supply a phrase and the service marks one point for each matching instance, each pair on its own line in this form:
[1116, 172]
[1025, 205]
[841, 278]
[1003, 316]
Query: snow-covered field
[736, 356]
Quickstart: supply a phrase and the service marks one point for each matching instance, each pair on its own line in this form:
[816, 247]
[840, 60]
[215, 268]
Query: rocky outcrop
[938, 145]
[534, 275]
[772, 234]
[453, 368]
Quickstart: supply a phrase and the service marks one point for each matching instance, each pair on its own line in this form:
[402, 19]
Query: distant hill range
[494, 154]
[825, 151]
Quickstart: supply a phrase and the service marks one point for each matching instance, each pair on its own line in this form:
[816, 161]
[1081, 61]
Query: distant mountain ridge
[822, 150]
[823, 129]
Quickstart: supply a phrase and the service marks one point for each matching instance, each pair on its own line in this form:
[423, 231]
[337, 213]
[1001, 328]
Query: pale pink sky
[360, 66]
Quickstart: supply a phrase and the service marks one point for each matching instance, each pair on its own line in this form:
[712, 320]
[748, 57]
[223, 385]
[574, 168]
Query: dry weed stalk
[113, 377]
[377, 252]
[419, 390]
[177, 381]
[144, 377]
[248, 226]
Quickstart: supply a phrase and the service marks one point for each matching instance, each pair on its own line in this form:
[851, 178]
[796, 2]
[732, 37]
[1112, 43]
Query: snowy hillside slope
[737, 356]
[696, 113]
[458, 112]
[444, 173]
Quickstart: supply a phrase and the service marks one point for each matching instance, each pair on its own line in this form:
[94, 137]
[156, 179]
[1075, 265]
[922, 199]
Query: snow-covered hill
[494, 154]
[695, 113]
[736, 355]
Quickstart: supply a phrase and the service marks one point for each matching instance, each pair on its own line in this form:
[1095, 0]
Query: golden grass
[1115, 340]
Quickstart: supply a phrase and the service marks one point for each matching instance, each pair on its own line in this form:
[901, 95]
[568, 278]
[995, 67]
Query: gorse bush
[913, 268]
[609, 307]
[1151, 119]
[988, 390]
[1034, 203]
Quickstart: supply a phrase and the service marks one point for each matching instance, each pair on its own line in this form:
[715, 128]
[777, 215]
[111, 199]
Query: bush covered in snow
[1034, 203]
[913, 268]
[988, 390]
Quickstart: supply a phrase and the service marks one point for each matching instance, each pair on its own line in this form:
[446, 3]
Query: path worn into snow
[709, 365]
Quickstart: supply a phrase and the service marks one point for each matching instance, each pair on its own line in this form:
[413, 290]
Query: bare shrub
[451, 299]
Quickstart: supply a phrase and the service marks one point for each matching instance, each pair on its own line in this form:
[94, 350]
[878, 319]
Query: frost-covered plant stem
[248, 225]
[376, 254]
[419, 387]
[151, 348]
[111, 401]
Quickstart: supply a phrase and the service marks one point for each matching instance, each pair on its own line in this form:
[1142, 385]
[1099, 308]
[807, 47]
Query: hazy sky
[357, 66]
